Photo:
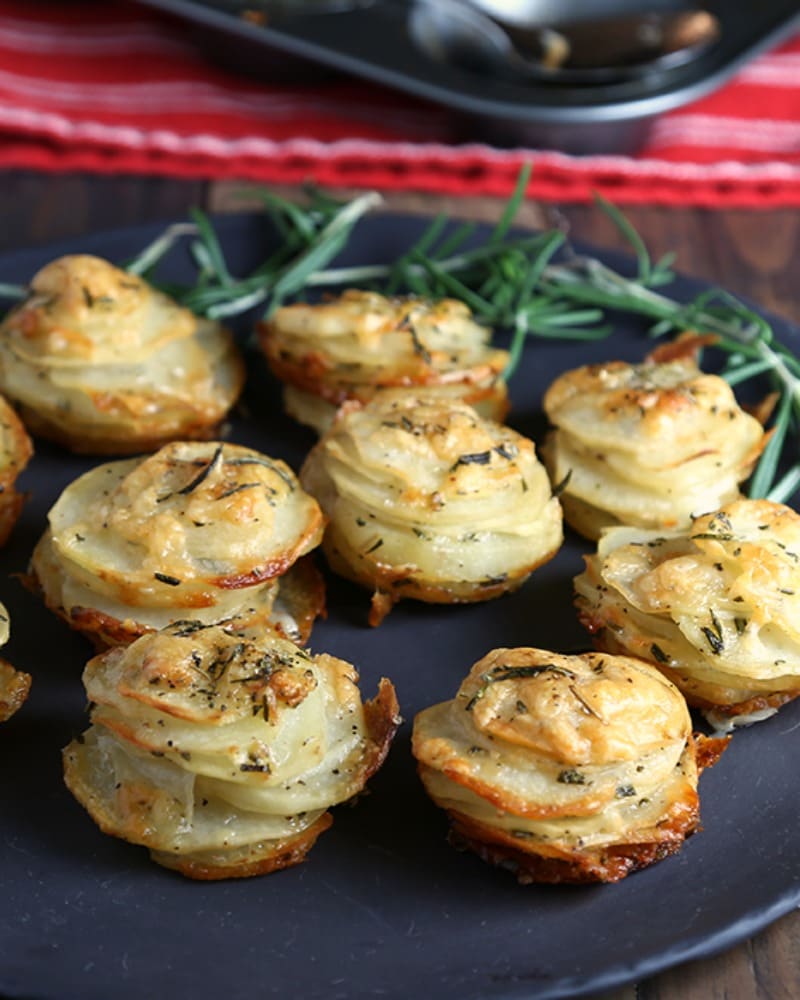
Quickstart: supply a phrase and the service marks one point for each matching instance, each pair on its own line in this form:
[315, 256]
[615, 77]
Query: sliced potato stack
[427, 500]
[352, 346]
[14, 684]
[98, 360]
[15, 453]
[715, 607]
[200, 530]
[222, 752]
[564, 768]
[647, 445]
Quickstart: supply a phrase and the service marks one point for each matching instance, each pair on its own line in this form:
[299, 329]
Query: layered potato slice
[222, 752]
[647, 445]
[564, 768]
[200, 530]
[14, 684]
[16, 450]
[354, 345]
[715, 607]
[427, 500]
[98, 360]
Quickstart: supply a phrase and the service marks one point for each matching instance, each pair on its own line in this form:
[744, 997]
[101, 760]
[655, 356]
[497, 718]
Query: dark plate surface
[383, 907]
[374, 42]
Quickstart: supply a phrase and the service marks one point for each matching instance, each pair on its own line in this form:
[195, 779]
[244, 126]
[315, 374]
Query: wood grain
[755, 254]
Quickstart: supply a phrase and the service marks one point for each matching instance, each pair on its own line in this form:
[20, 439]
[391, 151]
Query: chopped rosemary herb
[476, 458]
[559, 488]
[659, 654]
[571, 777]
[713, 634]
[268, 464]
[509, 673]
[204, 473]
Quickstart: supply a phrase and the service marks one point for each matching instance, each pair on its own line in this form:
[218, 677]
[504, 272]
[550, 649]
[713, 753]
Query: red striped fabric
[114, 87]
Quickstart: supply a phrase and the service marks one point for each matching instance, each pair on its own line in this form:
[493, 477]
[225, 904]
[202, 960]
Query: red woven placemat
[119, 88]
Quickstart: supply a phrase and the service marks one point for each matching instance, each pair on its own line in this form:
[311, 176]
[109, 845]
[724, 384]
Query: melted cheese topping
[352, 346]
[565, 753]
[206, 741]
[715, 606]
[198, 530]
[428, 500]
[648, 445]
[101, 361]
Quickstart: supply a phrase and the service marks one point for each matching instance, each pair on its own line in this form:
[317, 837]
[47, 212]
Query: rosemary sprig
[311, 238]
[530, 284]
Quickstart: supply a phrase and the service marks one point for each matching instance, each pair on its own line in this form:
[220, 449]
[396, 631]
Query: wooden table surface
[752, 253]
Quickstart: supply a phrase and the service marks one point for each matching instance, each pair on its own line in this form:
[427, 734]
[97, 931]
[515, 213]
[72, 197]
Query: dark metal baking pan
[374, 41]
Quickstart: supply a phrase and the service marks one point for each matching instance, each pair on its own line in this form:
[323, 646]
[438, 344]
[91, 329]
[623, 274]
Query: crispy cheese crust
[564, 768]
[647, 445]
[99, 361]
[361, 342]
[203, 531]
[427, 500]
[221, 752]
[715, 607]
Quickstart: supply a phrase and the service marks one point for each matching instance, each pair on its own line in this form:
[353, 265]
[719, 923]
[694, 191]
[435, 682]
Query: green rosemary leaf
[430, 235]
[331, 240]
[8, 291]
[555, 332]
[154, 252]
[553, 242]
[521, 328]
[735, 374]
[786, 486]
[764, 475]
[456, 287]
[662, 273]
[290, 219]
[500, 231]
[456, 239]
[211, 248]
[645, 267]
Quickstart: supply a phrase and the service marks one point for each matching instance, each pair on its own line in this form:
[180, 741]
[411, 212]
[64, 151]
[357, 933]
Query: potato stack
[200, 531]
[221, 752]
[428, 500]
[564, 768]
[362, 342]
[715, 607]
[647, 445]
[98, 360]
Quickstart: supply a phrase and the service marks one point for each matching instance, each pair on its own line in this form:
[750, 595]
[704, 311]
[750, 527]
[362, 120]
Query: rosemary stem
[349, 275]
[13, 291]
[154, 251]
[657, 304]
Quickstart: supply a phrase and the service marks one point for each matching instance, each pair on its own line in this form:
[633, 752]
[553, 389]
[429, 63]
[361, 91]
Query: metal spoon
[605, 49]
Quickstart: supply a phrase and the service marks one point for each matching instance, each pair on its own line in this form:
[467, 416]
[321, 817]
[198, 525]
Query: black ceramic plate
[374, 40]
[383, 907]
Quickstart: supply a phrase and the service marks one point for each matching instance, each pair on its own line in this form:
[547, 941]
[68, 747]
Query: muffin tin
[381, 42]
